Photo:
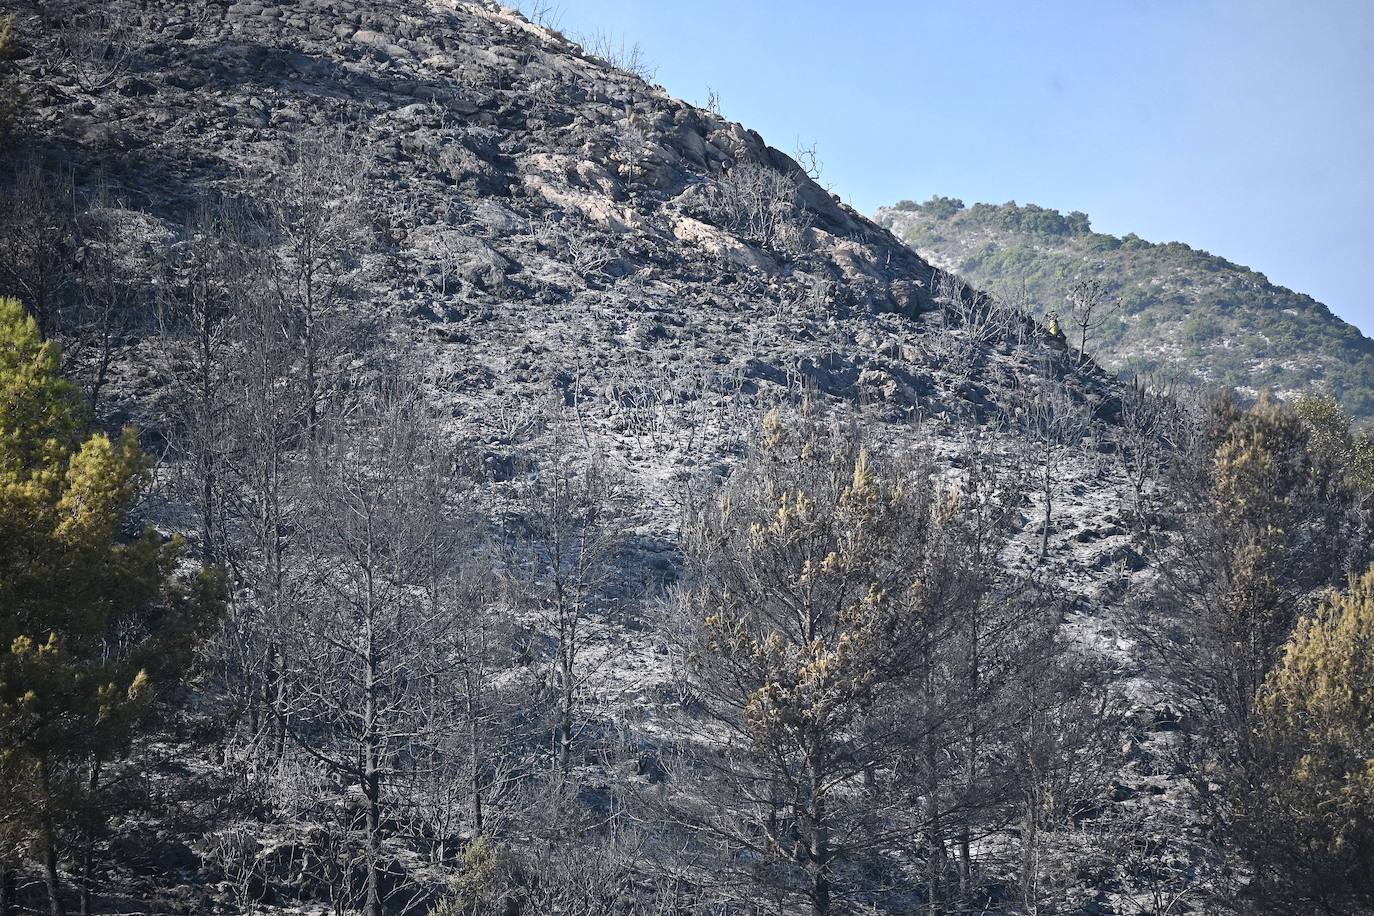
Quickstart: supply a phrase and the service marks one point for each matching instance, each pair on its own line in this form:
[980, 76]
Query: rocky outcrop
[527, 197]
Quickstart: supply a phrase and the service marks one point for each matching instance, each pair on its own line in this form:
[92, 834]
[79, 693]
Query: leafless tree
[762, 204]
[712, 101]
[1001, 630]
[463, 771]
[1158, 854]
[261, 482]
[111, 297]
[581, 248]
[96, 48]
[542, 12]
[1056, 423]
[810, 160]
[202, 304]
[371, 643]
[974, 321]
[1063, 748]
[1144, 440]
[317, 211]
[235, 851]
[38, 241]
[1017, 306]
[614, 51]
[573, 518]
[1091, 309]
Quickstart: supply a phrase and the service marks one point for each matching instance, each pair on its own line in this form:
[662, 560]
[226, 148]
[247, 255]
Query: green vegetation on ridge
[1182, 311]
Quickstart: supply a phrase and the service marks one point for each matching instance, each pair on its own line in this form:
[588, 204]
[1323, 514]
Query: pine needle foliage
[1310, 814]
[92, 623]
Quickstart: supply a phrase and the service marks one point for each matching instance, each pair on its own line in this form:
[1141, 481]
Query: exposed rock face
[457, 102]
[551, 234]
[546, 220]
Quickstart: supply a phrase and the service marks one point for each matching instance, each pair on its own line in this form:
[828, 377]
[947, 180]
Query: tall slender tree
[93, 623]
[368, 643]
[1306, 800]
[317, 214]
[811, 629]
[574, 516]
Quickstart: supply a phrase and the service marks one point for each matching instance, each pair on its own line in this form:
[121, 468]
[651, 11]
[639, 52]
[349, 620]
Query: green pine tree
[92, 624]
[1306, 815]
[9, 103]
[1333, 435]
[1308, 812]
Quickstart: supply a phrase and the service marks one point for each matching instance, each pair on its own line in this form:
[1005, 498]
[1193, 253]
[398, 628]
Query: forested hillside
[441, 473]
[1168, 309]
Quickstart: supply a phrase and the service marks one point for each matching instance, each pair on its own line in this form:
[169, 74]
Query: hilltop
[1182, 311]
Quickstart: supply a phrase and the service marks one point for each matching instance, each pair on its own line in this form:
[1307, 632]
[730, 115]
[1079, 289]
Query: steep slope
[1182, 310]
[554, 245]
[544, 223]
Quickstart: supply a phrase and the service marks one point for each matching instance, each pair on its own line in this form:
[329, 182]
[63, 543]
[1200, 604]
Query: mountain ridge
[1184, 311]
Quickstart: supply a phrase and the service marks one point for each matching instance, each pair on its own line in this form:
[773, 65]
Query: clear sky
[1245, 127]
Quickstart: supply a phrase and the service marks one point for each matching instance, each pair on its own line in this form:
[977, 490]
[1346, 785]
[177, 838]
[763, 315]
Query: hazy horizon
[1241, 128]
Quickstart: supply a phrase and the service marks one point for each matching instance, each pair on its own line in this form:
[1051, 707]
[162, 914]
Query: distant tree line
[1181, 310]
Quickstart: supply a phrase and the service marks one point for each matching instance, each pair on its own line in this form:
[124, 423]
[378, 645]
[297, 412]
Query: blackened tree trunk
[818, 855]
[372, 780]
[88, 843]
[48, 840]
[6, 888]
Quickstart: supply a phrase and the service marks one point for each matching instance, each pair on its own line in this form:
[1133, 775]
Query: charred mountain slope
[559, 252]
[545, 223]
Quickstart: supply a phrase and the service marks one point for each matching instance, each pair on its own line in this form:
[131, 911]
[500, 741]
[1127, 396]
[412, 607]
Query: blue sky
[1245, 127]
